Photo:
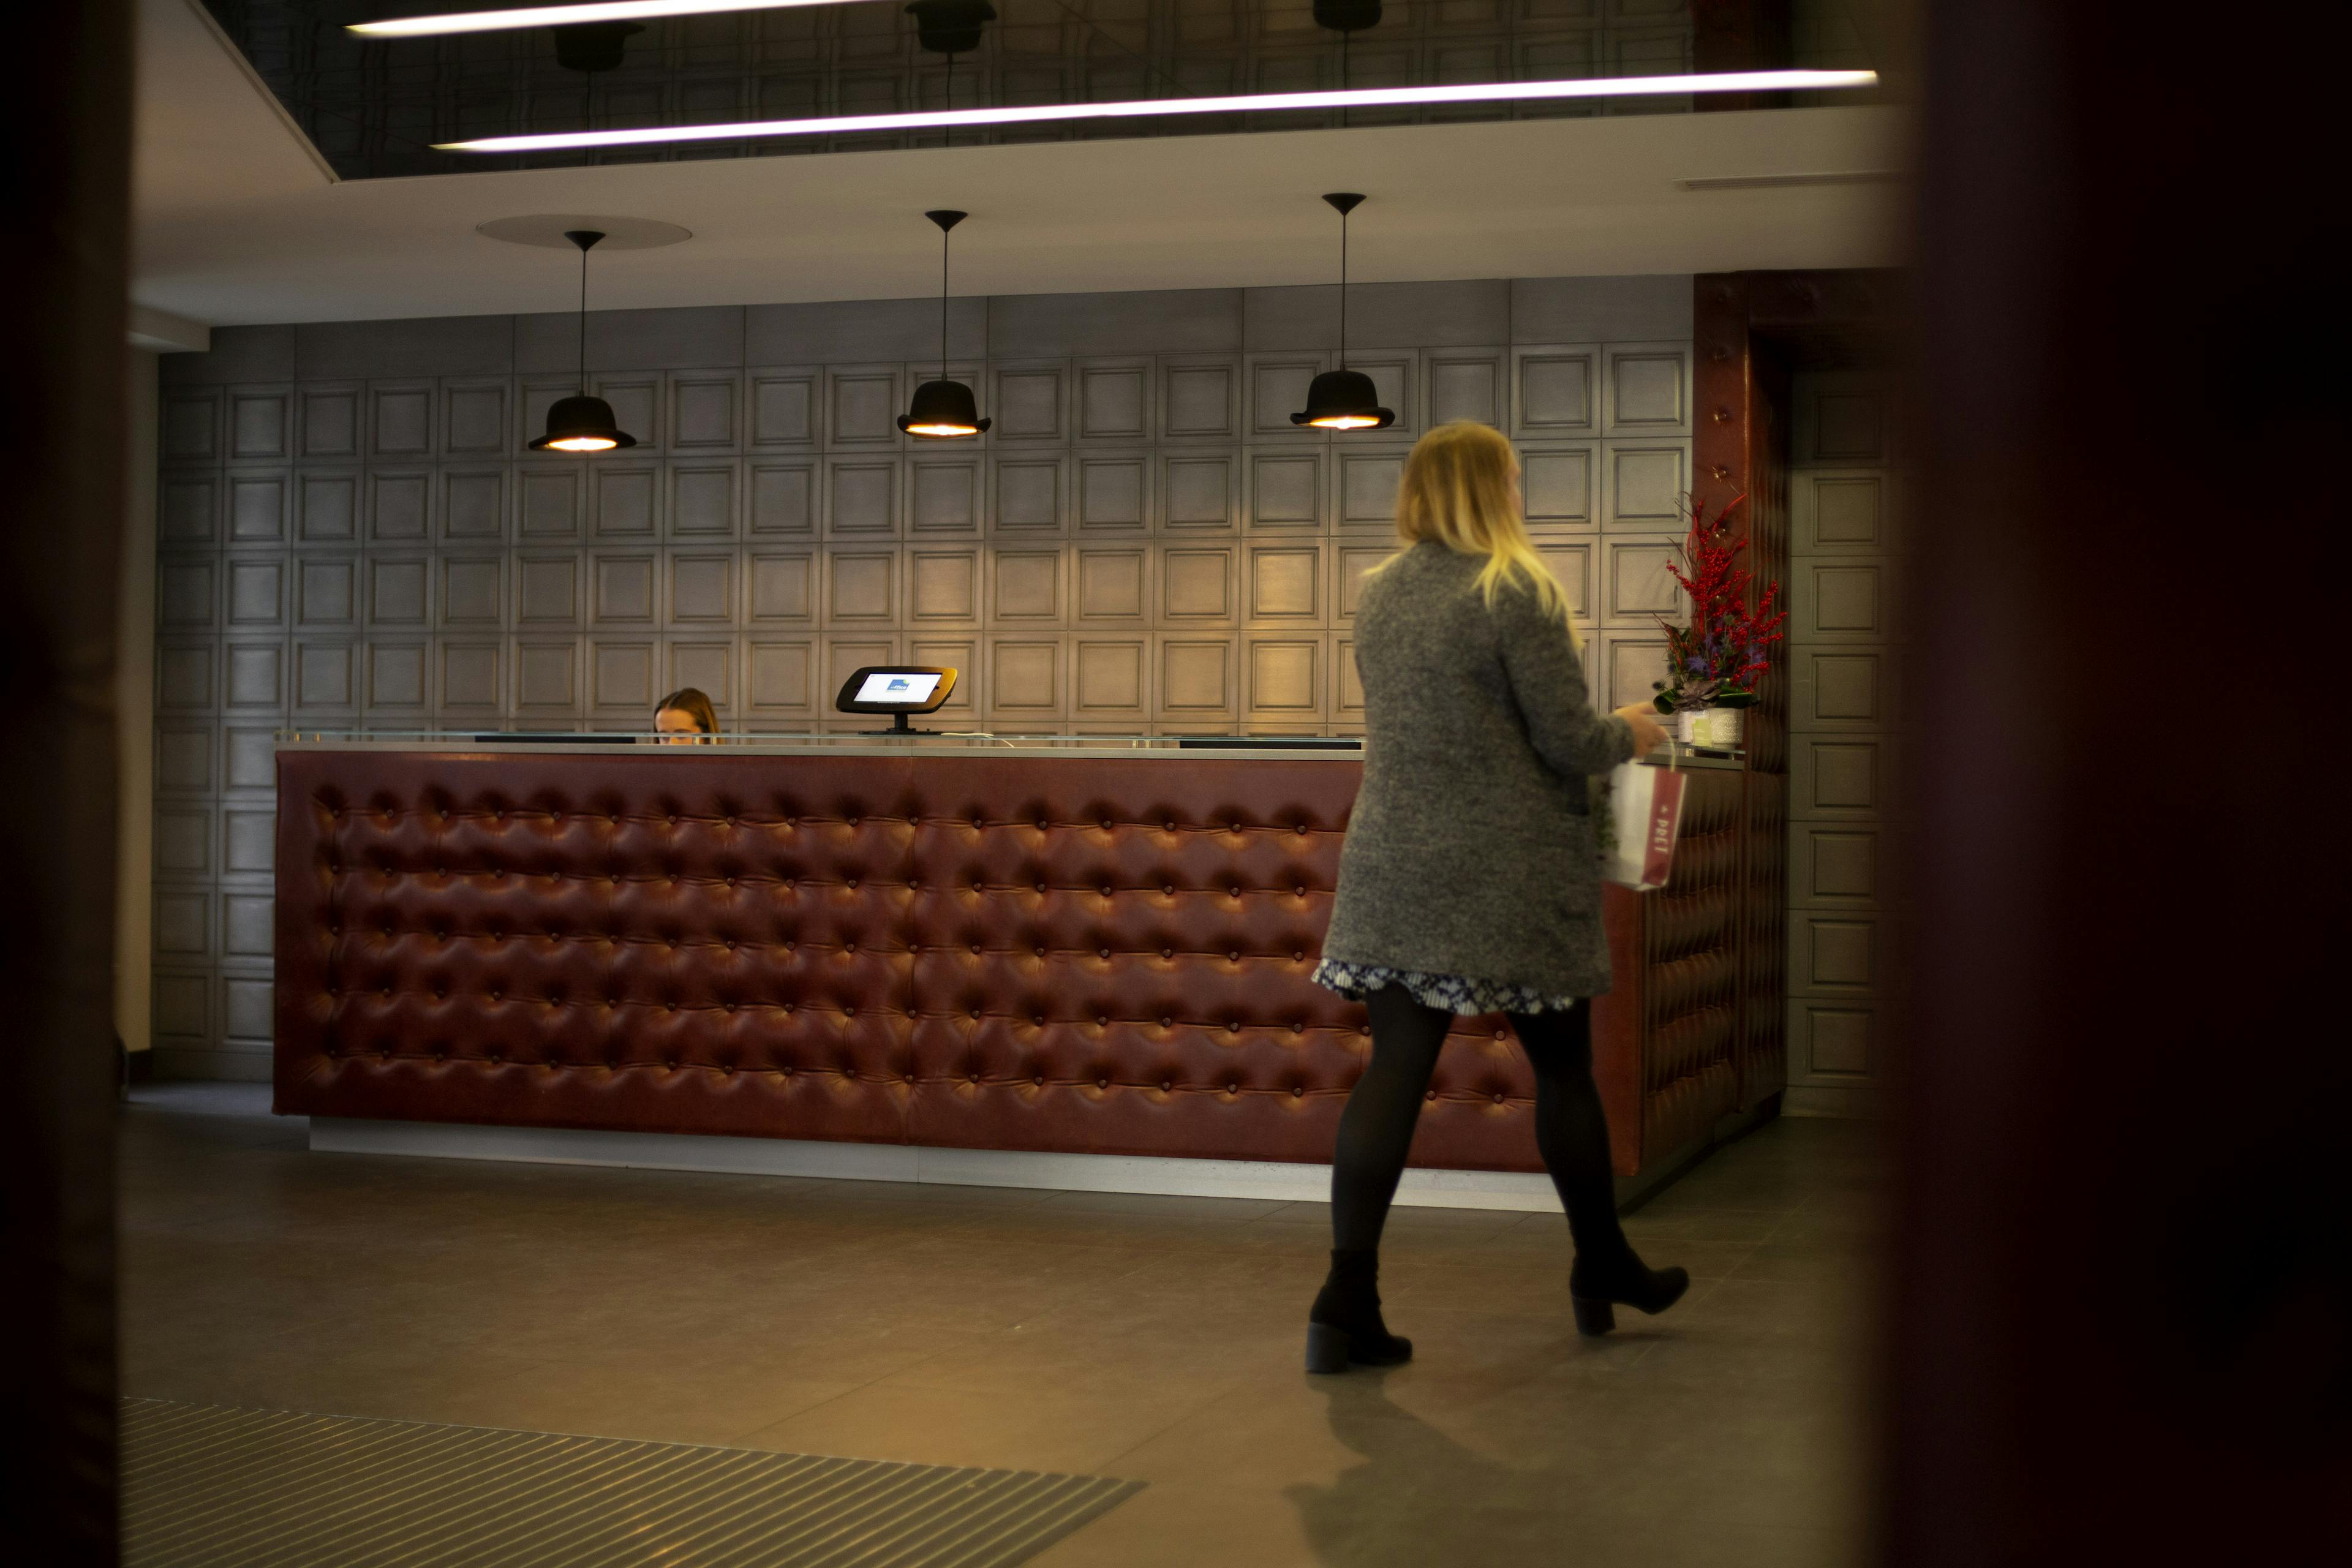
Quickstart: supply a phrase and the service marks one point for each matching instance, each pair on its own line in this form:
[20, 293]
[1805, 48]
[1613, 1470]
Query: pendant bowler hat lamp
[943, 410]
[1344, 399]
[580, 422]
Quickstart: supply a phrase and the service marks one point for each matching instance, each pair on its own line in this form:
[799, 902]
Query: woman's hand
[1648, 733]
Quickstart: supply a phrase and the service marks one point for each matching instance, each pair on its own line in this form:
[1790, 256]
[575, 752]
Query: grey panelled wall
[352, 535]
[1844, 688]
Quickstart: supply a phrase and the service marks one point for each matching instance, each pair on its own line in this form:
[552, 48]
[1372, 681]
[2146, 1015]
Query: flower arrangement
[1714, 660]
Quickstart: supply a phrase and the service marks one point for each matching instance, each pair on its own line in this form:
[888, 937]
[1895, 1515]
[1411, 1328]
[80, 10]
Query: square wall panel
[1641, 588]
[1114, 400]
[621, 676]
[1201, 490]
[1112, 584]
[783, 498]
[1832, 863]
[782, 587]
[943, 494]
[249, 1009]
[1025, 586]
[468, 677]
[1199, 399]
[1839, 513]
[1278, 389]
[473, 590]
[326, 506]
[784, 407]
[1196, 585]
[395, 676]
[251, 755]
[780, 676]
[1838, 687]
[861, 495]
[183, 843]
[1285, 490]
[1841, 601]
[1465, 385]
[546, 676]
[858, 587]
[1110, 676]
[702, 588]
[550, 504]
[400, 506]
[187, 594]
[1555, 391]
[1283, 581]
[863, 403]
[257, 507]
[326, 676]
[400, 420]
[1284, 679]
[1630, 665]
[192, 426]
[1643, 485]
[623, 589]
[183, 759]
[1113, 491]
[1354, 558]
[1648, 389]
[1833, 1040]
[254, 674]
[473, 507]
[187, 509]
[1030, 492]
[702, 500]
[1367, 486]
[943, 585]
[1832, 953]
[250, 842]
[547, 591]
[1024, 678]
[1570, 561]
[397, 591]
[326, 591]
[260, 423]
[183, 923]
[330, 421]
[1557, 483]
[180, 1007]
[706, 665]
[703, 409]
[624, 501]
[1196, 678]
[1835, 776]
[474, 419]
[1031, 404]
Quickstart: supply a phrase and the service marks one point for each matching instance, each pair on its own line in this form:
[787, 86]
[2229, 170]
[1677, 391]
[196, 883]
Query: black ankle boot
[1344, 1325]
[1594, 1284]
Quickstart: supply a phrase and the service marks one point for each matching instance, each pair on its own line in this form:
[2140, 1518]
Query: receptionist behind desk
[685, 718]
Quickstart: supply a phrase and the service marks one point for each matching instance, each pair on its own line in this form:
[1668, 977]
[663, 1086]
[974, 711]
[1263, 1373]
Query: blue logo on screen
[898, 683]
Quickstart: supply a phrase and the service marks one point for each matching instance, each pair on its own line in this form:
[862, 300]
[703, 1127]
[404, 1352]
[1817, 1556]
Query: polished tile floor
[1150, 1338]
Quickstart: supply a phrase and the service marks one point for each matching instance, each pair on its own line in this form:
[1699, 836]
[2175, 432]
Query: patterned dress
[1446, 993]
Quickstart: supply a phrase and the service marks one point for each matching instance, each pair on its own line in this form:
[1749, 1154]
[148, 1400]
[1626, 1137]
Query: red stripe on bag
[1665, 820]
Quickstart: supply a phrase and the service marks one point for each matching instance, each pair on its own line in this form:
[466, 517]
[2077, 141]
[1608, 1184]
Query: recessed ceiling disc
[620, 233]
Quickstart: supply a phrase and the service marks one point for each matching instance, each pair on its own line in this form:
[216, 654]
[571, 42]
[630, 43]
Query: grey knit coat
[1470, 851]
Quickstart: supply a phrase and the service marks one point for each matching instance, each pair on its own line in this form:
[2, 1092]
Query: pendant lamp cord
[1343, 287]
[943, 304]
[583, 320]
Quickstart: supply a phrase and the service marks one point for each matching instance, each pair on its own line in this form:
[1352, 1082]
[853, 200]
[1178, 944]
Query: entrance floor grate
[209, 1485]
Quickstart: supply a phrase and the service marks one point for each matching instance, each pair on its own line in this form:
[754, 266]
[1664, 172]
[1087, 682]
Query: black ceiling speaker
[952, 27]
[1347, 15]
[1344, 399]
[943, 410]
[580, 422]
[594, 46]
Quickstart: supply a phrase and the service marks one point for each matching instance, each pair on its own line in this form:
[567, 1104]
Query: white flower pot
[1687, 726]
[1724, 727]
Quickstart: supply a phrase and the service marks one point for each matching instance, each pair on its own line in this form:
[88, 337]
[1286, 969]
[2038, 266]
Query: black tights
[1376, 1130]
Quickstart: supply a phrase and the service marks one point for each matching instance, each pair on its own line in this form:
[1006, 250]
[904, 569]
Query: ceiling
[240, 220]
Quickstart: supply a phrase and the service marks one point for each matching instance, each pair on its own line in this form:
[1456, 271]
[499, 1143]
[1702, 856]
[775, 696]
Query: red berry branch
[1726, 645]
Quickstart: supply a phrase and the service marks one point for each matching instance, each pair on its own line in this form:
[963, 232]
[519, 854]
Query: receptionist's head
[685, 717]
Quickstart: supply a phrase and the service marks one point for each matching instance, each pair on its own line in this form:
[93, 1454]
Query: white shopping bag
[1643, 817]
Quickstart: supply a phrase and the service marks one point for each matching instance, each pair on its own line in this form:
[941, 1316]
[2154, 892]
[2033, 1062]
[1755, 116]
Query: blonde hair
[1457, 489]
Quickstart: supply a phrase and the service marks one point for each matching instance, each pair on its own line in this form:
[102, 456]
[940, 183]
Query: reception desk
[1074, 947]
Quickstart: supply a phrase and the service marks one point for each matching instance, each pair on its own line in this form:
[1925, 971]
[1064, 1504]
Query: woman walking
[1468, 882]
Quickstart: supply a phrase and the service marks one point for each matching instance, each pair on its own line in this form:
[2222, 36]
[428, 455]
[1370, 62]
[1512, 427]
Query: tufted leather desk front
[1102, 952]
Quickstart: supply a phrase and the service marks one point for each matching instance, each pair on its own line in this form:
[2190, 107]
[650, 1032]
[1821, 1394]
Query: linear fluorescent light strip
[562, 15]
[1141, 108]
